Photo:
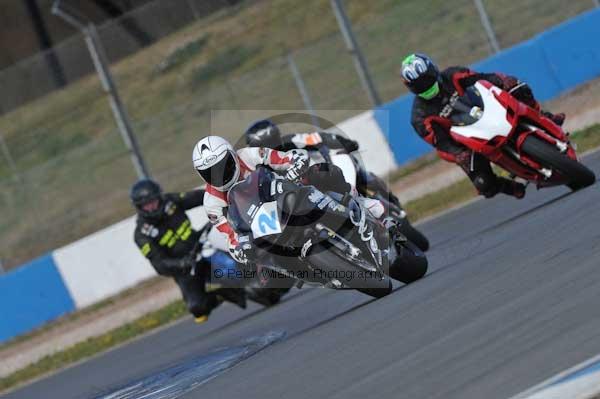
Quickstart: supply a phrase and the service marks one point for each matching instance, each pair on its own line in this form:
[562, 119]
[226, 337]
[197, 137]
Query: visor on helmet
[221, 173]
[424, 82]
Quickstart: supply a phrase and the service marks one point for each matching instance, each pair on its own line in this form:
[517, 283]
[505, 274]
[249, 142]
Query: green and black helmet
[421, 75]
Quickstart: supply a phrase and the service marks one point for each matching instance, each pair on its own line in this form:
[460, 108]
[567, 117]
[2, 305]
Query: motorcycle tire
[578, 175]
[329, 261]
[414, 235]
[264, 296]
[411, 264]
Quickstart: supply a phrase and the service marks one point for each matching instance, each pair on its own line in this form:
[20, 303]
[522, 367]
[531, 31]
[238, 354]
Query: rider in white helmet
[221, 166]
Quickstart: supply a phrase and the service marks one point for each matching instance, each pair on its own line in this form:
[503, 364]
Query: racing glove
[348, 144]
[299, 165]
[243, 252]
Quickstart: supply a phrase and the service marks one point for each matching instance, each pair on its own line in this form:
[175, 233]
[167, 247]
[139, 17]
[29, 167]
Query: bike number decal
[266, 220]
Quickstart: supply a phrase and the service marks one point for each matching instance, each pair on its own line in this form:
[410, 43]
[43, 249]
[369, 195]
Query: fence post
[487, 25]
[302, 88]
[359, 61]
[119, 112]
[101, 64]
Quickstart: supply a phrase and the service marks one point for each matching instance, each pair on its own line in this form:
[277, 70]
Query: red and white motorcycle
[516, 137]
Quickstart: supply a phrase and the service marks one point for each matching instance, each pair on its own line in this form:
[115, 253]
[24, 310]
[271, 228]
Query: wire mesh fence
[64, 170]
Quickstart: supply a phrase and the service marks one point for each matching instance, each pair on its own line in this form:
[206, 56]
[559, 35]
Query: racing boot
[511, 187]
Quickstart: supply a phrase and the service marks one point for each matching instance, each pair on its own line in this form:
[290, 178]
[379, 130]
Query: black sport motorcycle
[322, 238]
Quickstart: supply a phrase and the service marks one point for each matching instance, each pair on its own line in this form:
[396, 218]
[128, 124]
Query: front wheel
[410, 264]
[577, 175]
[325, 261]
[413, 235]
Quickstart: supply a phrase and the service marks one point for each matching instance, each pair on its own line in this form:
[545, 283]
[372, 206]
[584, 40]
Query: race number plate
[266, 220]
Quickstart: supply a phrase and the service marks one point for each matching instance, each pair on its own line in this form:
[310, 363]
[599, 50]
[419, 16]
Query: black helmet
[421, 75]
[146, 196]
[263, 133]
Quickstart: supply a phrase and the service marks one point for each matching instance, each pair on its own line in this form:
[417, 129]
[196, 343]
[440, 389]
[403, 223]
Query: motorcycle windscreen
[490, 120]
[246, 198]
[346, 164]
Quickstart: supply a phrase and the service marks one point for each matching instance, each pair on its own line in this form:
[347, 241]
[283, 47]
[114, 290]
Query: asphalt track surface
[512, 298]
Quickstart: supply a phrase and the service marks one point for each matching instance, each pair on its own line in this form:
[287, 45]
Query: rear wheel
[578, 175]
[410, 265]
[329, 262]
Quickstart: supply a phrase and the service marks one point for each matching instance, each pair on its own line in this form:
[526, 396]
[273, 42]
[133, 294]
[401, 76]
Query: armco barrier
[30, 296]
[551, 63]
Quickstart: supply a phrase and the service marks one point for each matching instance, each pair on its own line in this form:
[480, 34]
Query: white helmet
[216, 162]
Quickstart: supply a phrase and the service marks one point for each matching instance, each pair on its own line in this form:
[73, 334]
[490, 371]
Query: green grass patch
[95, 345]
[440, 200]
[587, 138]
[181, 55]
[223, 63]
[414, 166]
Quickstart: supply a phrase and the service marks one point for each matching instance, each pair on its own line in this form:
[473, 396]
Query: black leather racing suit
[170, 238]
[430, 120]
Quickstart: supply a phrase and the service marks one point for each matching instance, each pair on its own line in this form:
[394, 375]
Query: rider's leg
[479, 170]
[327, 177]
[199, 302]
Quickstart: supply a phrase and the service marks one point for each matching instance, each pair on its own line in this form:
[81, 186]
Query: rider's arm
[190, 199]
[215, 203]
[164, 265]
[432, 128]
[293, 162]
[464, 77]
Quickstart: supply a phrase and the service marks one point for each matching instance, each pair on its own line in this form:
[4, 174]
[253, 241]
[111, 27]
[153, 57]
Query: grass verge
[95, 345]
[425, 206]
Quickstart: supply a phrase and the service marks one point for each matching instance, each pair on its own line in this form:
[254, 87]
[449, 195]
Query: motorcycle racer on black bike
[220, 166]
[166, 238]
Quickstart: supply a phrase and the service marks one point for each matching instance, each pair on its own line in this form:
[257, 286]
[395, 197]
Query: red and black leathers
[168, 242]
[430, 118]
